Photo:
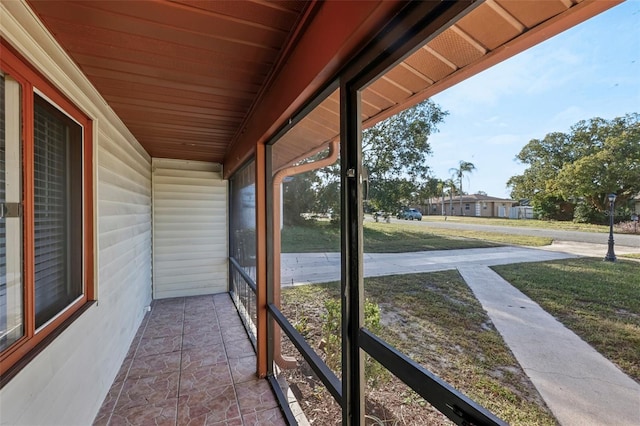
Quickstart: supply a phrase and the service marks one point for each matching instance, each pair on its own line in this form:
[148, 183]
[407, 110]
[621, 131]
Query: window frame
[415, 24]
[32, 84]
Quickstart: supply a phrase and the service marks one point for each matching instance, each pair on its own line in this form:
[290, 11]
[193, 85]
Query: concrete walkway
[579, 385]
[588, 249]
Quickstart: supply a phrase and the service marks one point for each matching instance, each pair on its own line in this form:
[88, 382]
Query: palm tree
[440, 191]
[451, 184]
[463, 167]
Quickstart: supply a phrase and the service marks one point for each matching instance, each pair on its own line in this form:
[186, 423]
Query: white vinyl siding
[190, 254]
[67, 382]
[124, 224]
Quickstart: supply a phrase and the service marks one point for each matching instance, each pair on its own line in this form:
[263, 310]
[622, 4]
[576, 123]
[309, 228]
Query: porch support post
[267, 214]
[261, 260]
[351, 258]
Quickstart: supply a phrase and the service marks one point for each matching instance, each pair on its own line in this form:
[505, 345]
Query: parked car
[411, 214]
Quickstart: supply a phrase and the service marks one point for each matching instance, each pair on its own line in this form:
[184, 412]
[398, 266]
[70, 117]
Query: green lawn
[400, 237]
[599, 301]
[495, 237]
[523, 223]
[631, 255]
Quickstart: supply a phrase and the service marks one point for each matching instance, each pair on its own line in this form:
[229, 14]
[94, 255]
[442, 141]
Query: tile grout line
[244, 381]
[135, 352]
[226, 355]
[184, 308]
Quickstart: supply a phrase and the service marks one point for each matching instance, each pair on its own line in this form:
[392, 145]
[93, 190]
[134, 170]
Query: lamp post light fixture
[611, 256]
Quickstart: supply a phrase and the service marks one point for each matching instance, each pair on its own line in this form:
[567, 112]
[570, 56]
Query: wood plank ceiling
[183, 75]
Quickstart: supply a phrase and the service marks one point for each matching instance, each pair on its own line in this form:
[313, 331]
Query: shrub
[587, 214]
[332, 332]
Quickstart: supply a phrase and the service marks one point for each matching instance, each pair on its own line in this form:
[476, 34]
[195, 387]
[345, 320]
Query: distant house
[472, 205]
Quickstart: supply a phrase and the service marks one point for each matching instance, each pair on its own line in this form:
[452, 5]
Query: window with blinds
[46, 213]
[57, 211]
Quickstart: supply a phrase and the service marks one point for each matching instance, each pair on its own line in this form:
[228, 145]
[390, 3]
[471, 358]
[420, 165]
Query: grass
[523, 223]
[435, 319]
[599, 301]
[631, 255]
[396, 238]
[495, 237]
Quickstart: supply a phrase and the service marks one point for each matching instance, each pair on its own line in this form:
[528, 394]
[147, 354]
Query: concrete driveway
[307, 268]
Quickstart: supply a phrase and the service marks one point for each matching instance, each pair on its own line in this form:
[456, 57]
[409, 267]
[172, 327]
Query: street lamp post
[611, 256]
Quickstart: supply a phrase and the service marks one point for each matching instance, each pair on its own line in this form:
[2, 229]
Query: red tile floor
[191, 363]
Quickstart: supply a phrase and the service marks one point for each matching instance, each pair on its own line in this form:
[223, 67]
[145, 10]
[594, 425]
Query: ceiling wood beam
[519, 26]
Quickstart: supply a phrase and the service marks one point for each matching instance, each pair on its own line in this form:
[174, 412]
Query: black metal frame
[268, 169]
[352, 286]
[324, 373]
[232, 214]
[240, 294]
[436, 391]
[237, 268]
[282, 398]
[242, 299]
[416, 23]
[283, 401]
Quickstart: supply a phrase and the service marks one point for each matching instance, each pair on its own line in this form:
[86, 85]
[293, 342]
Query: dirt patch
[435, 320]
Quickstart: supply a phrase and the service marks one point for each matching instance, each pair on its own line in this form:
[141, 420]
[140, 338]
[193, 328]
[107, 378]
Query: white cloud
[564, 119]
[495, 121]
[505, 139]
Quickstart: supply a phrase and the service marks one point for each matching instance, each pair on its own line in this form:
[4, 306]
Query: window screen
[57, 211]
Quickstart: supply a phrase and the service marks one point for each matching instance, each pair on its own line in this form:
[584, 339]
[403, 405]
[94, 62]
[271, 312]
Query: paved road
[575, 236]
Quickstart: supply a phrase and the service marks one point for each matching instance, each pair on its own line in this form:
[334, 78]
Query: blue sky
[591, 70]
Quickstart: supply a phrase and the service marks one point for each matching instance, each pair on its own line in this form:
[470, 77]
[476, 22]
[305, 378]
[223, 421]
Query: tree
[327, 188]
[395, 152]
[426, 191]
[451, 184]
[613, 168]
[298, 197]
[390, 194]
[441, 187]
[597, 157]
[463, 167]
